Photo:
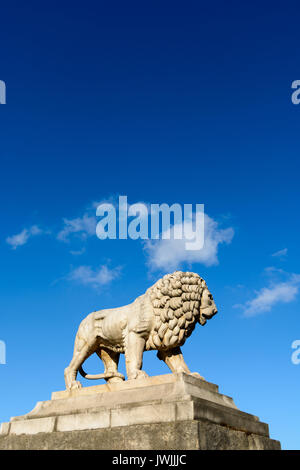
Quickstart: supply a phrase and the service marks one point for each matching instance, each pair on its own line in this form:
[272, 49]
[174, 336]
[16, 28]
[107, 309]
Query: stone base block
[184, 435]
[170, 412]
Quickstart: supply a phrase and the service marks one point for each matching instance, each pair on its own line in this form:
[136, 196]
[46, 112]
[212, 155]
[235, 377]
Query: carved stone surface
[174, 411]
[161, 319]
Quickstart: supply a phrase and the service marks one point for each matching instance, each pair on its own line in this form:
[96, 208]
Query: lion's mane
[176, 302]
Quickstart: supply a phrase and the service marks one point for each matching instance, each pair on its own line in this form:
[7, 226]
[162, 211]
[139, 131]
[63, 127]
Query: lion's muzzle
[207, 313]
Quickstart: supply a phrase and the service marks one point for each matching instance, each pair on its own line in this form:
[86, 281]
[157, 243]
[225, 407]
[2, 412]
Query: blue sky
[164, 103]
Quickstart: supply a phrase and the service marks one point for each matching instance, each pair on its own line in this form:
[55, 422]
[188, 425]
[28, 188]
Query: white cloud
[85, 226]
[22, 238]
[280, 253]
[271, 270]
[171, 254]
[77, 252]
[94, 277]
[267, 297]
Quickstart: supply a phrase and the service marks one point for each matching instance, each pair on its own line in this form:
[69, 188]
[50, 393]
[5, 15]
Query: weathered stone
[175, 411]
[32, 426]
[83, 421]
[4, 429]
[161, 319]
[184, 435]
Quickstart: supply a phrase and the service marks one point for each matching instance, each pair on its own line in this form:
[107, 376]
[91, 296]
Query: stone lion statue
[161, 319]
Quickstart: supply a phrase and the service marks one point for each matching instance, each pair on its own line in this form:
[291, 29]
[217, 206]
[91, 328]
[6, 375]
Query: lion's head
[208, 307]
[179, 300]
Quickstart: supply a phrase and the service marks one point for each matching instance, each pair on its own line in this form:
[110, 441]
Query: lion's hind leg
[82, 351]
[110, 360]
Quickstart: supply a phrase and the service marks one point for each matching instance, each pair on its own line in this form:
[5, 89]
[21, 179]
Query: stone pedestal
[168, 412]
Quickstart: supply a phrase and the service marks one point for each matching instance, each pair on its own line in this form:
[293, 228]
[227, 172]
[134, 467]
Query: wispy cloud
[280, 253]
[172, 254]
[84, 226]
[284, 291]
[94, 277]
[22, 238]
[77, 252]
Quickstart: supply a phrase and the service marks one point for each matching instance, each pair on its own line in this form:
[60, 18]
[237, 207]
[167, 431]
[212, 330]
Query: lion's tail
[100, 376]
[89, 376]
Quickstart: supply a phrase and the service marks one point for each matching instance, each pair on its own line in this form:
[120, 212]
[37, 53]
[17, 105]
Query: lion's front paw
[75, 385]
[139, 374]
[142, 375]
